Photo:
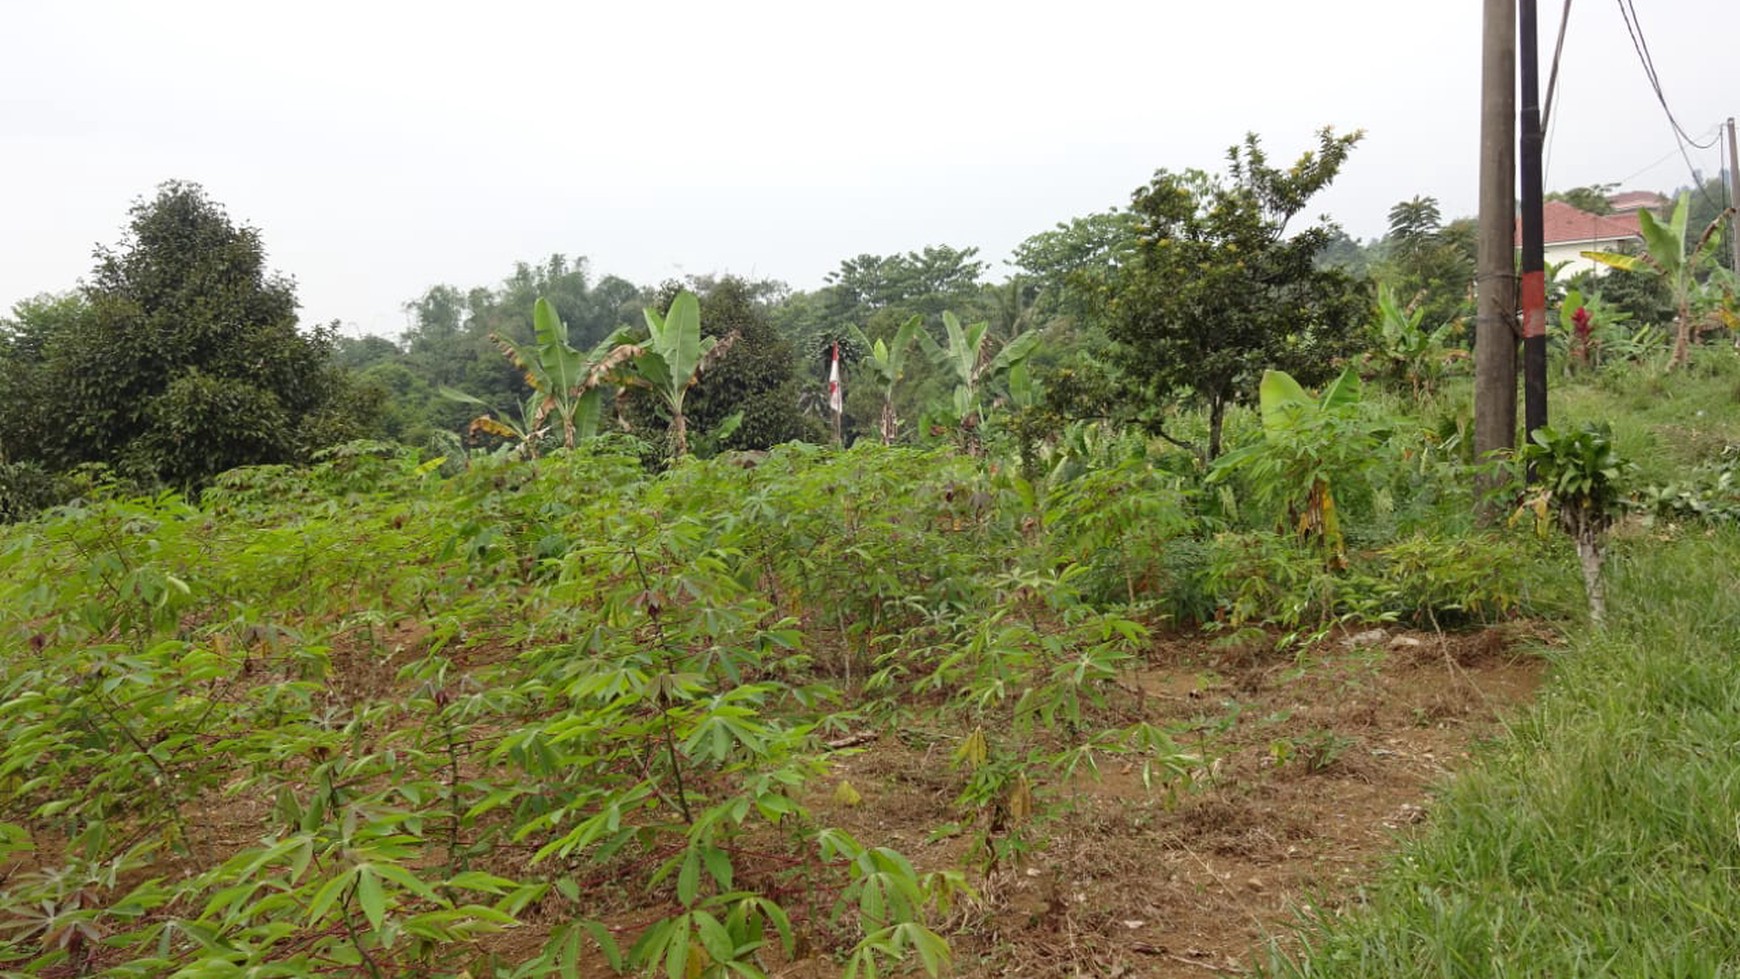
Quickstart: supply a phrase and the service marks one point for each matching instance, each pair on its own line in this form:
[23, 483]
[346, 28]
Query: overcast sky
[382, 148]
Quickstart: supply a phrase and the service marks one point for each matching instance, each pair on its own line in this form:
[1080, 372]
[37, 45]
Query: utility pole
[1734, 196]
[1495, 338]
[1534, 275]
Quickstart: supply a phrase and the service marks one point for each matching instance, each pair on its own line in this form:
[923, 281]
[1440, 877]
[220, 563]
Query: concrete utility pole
[1534, 274]
[1734, 196]
[1495, 337]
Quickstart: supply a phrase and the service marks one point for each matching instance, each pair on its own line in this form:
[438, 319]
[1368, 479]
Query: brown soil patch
[1323, 762]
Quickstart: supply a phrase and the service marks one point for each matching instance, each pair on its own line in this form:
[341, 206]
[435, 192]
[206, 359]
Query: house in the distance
[1568, 232]
[1633, 201]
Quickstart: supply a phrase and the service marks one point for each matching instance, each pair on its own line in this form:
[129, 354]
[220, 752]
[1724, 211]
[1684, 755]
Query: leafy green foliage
[553, 684]
[1405, 350]
[758, 380]
[1675, 259]
[1428, 263]
[1073, 262]
[1309, 445]
[1580, 473]
[925, 282]
[1218, 290]
[180, 359]
[1711, 492]
[967, 361]
[887, 362]
[564, 382]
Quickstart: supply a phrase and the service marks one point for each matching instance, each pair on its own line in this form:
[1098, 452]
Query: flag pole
[836, 399]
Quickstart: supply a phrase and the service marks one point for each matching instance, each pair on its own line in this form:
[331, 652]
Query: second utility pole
[1734, 194]
[1534, 275]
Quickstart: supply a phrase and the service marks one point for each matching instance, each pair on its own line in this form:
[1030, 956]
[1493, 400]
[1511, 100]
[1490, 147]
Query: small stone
[1370, 637]
[1255, 884]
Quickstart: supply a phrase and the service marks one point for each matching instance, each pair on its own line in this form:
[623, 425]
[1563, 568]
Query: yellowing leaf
[974, 750]
[1021, 799]
[845, 795]
[493, 427]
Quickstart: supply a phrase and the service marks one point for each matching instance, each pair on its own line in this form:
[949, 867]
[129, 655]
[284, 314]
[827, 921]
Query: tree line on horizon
[181, 355]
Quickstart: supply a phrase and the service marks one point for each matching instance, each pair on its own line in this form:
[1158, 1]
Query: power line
[1553, 77]
[1634, 27]
[1658, 162]
[1549, 122]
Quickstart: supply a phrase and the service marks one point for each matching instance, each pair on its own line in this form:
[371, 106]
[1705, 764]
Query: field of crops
[837, 708]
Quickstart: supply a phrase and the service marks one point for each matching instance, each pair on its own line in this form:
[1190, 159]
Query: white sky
[382, 148]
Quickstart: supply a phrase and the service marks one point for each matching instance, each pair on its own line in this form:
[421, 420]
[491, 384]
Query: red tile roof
[1631, 200]
[1563, 224]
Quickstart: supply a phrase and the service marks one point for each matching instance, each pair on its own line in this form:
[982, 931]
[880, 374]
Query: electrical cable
[1553, 76]
[1670, 154]
[1634, 27]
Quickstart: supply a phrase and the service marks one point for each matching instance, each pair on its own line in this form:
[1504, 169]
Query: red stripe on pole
[1534, 304]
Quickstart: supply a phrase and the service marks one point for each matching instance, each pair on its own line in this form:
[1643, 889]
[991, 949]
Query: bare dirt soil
[1325, 760]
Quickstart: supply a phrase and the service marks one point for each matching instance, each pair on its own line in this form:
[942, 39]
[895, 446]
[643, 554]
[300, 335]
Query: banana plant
[888, 362]
[1308, 445]
[672, 359]
[1666, 255]
[1718, 304]
[966, 360]
[565, 382]
[522, 429]
[1411, 351]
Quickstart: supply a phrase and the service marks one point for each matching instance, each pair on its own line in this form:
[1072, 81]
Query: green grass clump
[1602, 836]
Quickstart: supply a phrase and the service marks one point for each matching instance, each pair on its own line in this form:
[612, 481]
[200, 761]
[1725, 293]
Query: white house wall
[1569, 252]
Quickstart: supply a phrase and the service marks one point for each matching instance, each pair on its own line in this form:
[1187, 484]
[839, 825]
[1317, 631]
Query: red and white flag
[835, 400]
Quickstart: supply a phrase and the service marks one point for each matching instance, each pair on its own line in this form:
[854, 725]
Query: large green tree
[1429, 264]
[1072, 263]
[183, 357]
[1218, 288]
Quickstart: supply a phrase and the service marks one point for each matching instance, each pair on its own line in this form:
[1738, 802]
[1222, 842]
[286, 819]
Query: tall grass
[1602, 835]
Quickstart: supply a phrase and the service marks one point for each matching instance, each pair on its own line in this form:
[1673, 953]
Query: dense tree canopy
[1072, 263]
[181, 358]
[1217, 289]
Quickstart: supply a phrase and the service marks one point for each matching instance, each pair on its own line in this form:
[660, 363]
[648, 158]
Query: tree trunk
[1589, 556]
[1216, 415]
[1682, 337]
[679, 435]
